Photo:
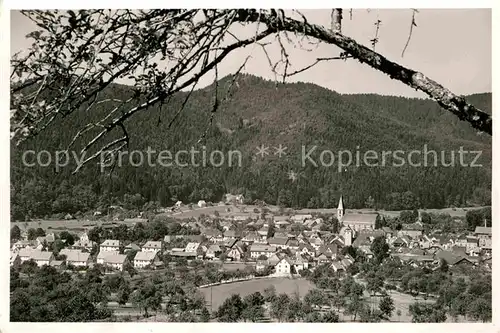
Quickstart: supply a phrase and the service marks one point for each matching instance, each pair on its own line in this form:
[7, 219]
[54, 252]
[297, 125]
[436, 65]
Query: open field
[235, 210]
[233, 266]
[244, 288]
[401, 302]
[283, 285]
[454, 212]
[302, 286]
[247, 210]
[239, 210]
[70, 225]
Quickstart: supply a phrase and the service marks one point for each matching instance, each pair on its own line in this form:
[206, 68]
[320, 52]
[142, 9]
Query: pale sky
[451, 46]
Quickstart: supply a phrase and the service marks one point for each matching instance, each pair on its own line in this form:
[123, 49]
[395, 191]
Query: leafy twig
[413, 24]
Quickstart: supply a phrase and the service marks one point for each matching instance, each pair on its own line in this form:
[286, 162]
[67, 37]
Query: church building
[355, 222]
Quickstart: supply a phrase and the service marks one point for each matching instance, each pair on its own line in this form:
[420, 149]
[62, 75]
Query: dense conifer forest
[259, 112]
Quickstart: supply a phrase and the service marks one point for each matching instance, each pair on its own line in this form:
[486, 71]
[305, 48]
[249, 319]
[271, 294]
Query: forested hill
[260, 112]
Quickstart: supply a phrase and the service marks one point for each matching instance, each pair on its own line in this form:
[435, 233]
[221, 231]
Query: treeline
[47, 295]
[282, 307]
[443, 222]
[294, 115]
[155, 230]
[457, 292]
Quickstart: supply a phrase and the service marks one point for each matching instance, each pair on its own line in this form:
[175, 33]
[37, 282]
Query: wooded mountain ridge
[260, 112]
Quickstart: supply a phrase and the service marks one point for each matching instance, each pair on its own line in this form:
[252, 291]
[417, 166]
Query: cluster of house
[24, 249]
[78, 254]
[288, 251]
[463, 249]
[228, 199]
[145, 256]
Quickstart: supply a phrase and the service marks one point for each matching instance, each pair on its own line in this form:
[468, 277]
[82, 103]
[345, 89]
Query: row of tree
[281, 307]
[47, 294]
[457, 292]
[37, 198]
[140, 232]
[443, 222]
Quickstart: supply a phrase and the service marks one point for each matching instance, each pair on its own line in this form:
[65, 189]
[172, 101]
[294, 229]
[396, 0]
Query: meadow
[240, 211]
[219, 293]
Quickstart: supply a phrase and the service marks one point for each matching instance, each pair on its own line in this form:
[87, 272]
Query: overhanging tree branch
[479, 120]
[68, 68]
[193, 80]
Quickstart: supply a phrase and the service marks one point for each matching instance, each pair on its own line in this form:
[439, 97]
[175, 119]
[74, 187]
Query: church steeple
[340, 209]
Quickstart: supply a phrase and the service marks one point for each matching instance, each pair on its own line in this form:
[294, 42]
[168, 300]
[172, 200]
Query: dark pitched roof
[277, 240]
[471, 239]
[338, 241]
[483, 230]
[230, 233]
[417, 252]
[399, 240]
[287, 259]
[229, 243]
[328, 249]
[212, 232]
[194, 238]
[363, 237]
[450, 257]
[459, 250]
[444, 239]
[413, 227]
[307, 246]
[359, 218]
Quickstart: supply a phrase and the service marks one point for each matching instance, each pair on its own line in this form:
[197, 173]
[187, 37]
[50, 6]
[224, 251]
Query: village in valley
[236, 166]
[351, 265]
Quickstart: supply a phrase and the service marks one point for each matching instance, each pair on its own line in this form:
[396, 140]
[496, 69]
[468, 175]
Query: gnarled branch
[454, 103]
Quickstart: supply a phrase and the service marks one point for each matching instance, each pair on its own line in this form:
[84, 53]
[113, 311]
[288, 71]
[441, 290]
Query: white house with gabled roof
[283, 267]
[76, 258]
[110, 245]
[115, 261]
[152, 246]
[145, 258]
[192, 247]
[256, 250]
[42, 257]
[14, 259]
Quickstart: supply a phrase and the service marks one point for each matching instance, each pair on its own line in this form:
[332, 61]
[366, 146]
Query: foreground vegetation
[363, 293]
[46, 294]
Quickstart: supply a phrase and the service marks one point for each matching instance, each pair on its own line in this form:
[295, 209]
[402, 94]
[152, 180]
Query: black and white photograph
[250, 165]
